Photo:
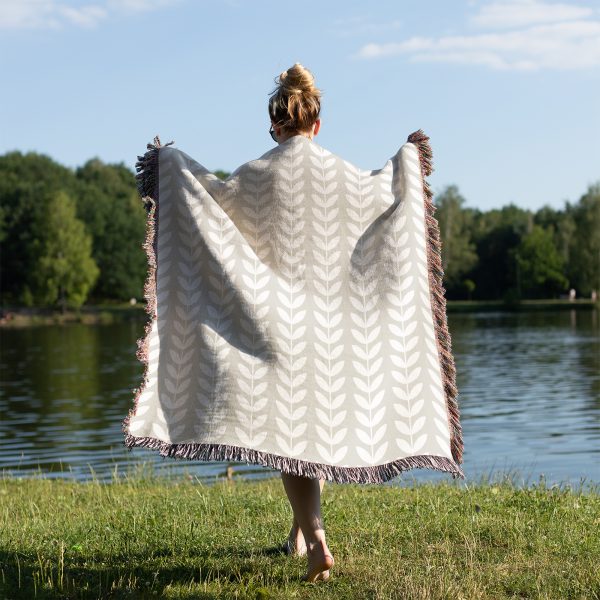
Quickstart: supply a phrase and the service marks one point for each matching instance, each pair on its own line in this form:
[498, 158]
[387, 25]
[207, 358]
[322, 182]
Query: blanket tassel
[147, 186]
[438, 299]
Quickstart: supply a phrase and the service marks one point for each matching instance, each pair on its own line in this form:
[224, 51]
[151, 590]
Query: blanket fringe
[438, 300]
[295, 466]
[147, 184]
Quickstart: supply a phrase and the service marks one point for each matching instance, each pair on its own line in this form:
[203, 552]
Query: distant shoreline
[524, 305]
[21, 316]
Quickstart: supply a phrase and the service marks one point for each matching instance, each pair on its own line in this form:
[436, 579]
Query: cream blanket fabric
[298, 318]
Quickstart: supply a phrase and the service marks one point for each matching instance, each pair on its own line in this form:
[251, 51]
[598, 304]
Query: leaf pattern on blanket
[294, 310]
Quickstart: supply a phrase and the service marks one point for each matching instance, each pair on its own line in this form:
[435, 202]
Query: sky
[508, 91]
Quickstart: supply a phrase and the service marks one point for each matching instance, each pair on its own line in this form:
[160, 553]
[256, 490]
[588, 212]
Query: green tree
[562, 226]
[65, 269]
[222, 174]
[540, 265]
[496, 233]
[458, 251]
[106, 200]
[469, 286]
[584, 251]
[110, 206]
[26, 183]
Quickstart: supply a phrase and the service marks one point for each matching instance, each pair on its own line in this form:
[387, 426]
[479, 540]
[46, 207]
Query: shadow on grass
[30, 576]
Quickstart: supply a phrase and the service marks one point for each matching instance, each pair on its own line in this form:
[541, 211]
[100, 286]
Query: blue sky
[507, 90]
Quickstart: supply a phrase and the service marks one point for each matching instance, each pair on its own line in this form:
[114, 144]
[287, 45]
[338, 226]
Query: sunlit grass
[144, 535]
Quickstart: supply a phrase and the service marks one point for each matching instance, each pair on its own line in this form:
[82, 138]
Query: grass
[146, 536]
[117, 312]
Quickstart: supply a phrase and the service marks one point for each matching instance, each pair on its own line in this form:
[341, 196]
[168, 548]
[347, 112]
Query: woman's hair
[295, 103]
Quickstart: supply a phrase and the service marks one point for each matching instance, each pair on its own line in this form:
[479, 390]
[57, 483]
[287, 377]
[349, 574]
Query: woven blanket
[297, 317]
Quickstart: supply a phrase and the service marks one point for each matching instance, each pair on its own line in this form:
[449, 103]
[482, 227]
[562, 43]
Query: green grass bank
[153, 537]
[19, 316]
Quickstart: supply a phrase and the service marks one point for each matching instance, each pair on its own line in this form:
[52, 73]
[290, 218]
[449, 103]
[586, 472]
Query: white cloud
[559, 39]
[138, 5]
[55, 14]
[47, 14]
[86, 16]
[519, 13]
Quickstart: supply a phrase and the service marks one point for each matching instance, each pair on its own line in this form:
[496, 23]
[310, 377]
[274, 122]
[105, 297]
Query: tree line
[513, 253]
[74, 236]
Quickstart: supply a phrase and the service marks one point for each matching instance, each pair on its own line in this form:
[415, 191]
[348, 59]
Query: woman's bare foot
[320, 560]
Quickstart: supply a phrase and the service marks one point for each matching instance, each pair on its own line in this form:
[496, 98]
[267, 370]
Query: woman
[298, 316]
[294, 109]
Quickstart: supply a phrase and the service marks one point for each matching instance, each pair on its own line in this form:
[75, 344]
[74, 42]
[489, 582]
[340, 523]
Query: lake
[529, 398]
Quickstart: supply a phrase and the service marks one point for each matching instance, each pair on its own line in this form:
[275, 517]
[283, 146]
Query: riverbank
[151, 537]
[95, 314]
[523, 306]
[119, 312]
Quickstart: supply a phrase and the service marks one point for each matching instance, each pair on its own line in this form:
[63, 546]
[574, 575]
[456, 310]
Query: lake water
[529, 398]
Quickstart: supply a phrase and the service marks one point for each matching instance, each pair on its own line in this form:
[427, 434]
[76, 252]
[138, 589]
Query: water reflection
[529, 396]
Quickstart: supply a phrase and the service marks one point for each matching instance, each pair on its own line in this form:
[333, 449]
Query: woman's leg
[305, 497]
[295, 536]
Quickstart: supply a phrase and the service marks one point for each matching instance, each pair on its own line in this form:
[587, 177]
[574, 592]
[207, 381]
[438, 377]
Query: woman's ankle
[295, 536]
[317, 542]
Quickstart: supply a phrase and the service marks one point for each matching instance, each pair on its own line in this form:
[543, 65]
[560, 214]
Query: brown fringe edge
[438, 300]
[295, 466]
[147, 184]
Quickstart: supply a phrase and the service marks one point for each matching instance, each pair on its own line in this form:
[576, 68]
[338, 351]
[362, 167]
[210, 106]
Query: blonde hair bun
[295, 104]
[298, 80]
